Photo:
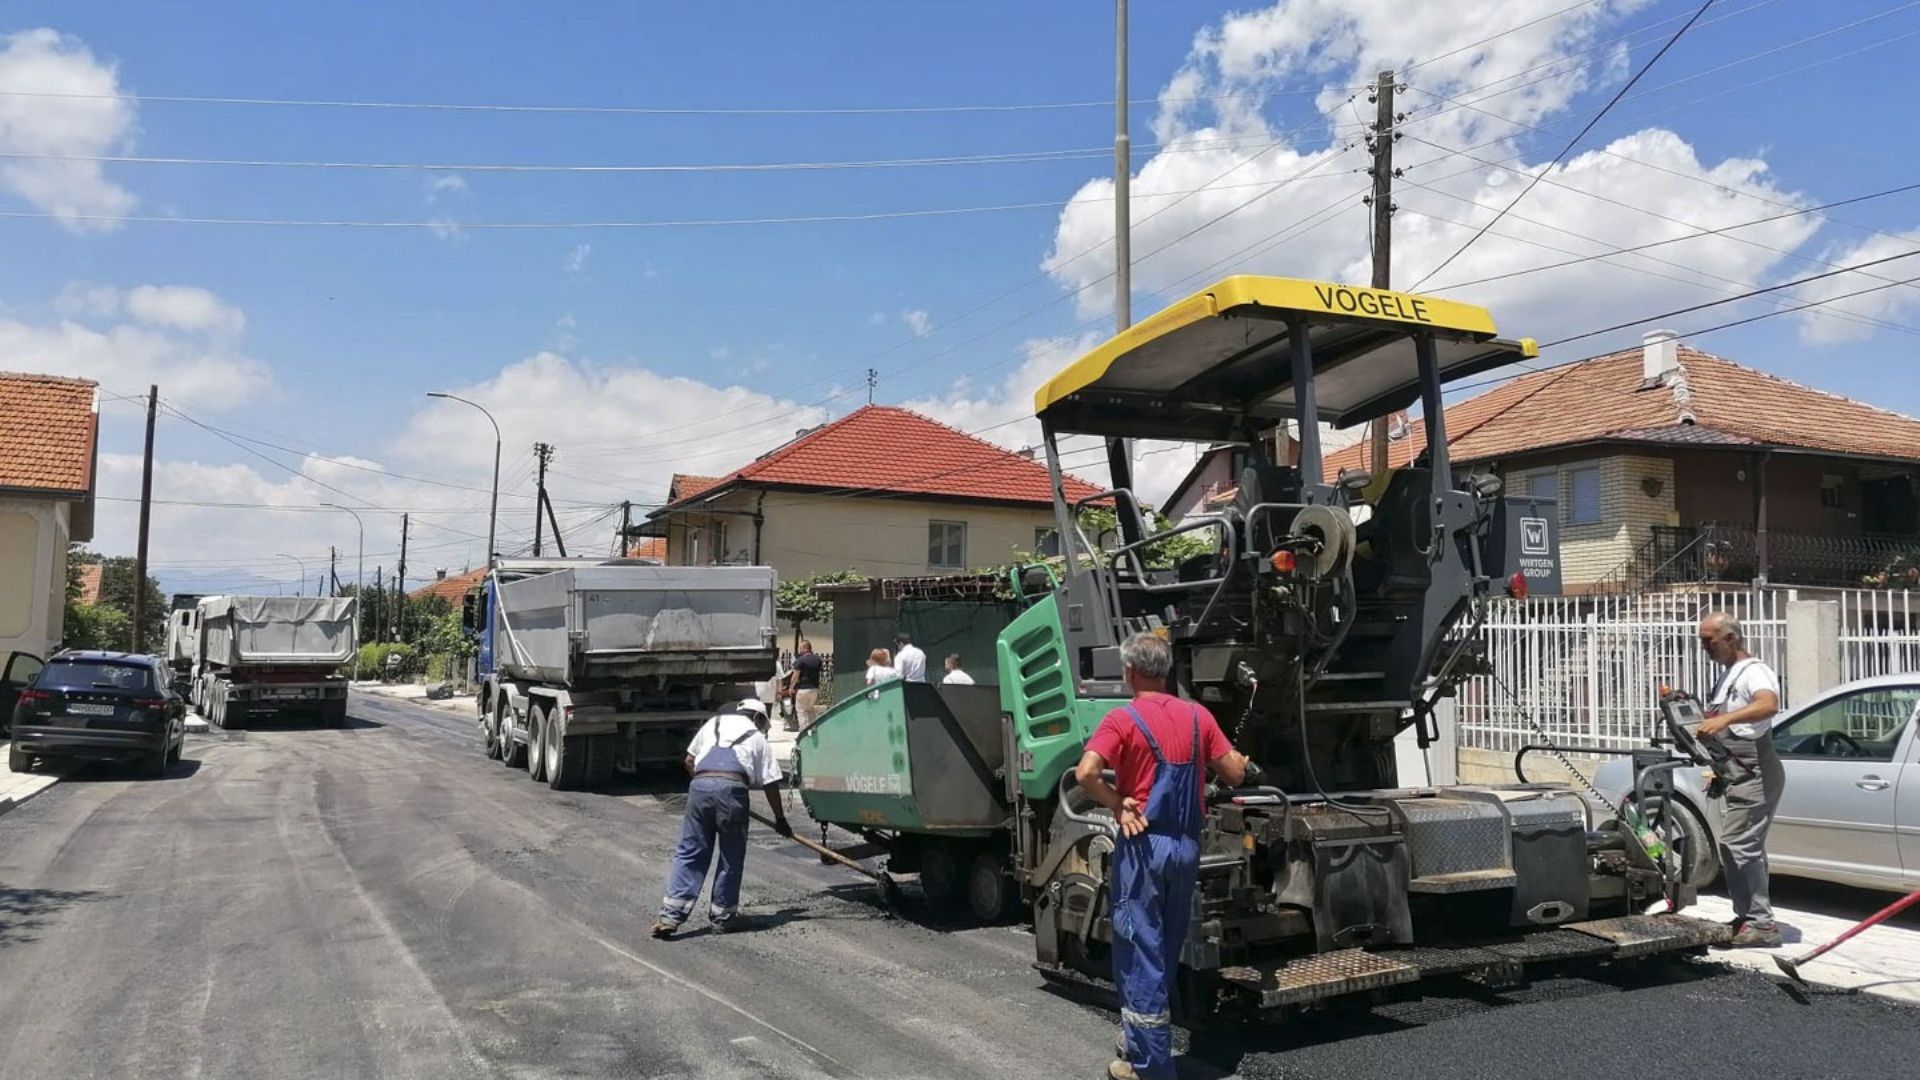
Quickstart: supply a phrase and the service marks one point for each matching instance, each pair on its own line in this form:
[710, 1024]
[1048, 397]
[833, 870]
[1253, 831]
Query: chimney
[439, 573]
[1025, 452]
[1659, 356]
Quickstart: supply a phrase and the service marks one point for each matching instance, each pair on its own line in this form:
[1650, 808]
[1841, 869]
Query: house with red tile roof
[1673, 466]
[882, 490]
[49, 431]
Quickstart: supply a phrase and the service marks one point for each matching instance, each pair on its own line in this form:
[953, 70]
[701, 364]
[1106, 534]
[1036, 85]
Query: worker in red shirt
[1155, 746]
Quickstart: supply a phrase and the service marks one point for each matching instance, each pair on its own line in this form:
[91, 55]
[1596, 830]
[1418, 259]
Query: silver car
[1851, 810]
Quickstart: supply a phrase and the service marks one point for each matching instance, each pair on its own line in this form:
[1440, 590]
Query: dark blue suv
[99, 706]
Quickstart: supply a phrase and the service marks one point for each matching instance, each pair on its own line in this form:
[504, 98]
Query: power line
[649, 110]
[1571, 143]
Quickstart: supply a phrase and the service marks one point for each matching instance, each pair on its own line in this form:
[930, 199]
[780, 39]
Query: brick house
[49, 440]
[1674, 466]
[883, 490]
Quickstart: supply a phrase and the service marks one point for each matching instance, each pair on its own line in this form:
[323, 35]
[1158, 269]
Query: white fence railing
[1589, 669]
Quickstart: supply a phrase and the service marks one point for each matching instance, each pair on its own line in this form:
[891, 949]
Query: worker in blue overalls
[1154, 745]
[729, 755]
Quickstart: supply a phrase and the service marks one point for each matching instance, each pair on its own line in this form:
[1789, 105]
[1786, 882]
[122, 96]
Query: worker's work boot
[1753, 936]
[664, 929]
[1121, 1069]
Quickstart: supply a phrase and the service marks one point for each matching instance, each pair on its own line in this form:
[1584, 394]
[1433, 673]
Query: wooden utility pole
[146, 517]
[541, 452]
[333, 576]
[626, 525]
[1381, 202]
[400, 586]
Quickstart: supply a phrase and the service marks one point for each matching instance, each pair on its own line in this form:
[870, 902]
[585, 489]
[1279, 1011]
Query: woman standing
[880, 667]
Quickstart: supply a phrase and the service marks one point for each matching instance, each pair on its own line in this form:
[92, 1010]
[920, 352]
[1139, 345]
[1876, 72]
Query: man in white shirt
[955, 676]
[1740, 711]
[728, 755]
[908, 659]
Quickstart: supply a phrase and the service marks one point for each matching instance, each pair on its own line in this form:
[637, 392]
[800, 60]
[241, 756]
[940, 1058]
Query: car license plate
[90, 710]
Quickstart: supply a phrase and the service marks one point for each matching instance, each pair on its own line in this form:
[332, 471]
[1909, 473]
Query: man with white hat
[728, 756]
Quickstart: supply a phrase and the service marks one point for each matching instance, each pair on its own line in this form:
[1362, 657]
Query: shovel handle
[820, 849]
[1874, 919]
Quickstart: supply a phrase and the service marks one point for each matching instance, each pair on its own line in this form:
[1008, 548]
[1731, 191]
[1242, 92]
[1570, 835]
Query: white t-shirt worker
[753, 752]
[1736, 690]
[911, 662]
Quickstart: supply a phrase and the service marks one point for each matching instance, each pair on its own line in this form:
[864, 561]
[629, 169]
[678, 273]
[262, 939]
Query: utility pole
[146, 516]
[1381, 201]
[400, 583]
[377, 613]
[541, 452]
[626, 525]
[333, 576]
[873, 380]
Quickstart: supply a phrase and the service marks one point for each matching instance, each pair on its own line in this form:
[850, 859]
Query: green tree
[108, 624]
[795, 602]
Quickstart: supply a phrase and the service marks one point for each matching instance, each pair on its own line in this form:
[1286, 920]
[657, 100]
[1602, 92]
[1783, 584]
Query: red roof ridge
[35, 376]
[1782, 380]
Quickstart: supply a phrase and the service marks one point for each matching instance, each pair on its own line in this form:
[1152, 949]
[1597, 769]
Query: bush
[373, 660]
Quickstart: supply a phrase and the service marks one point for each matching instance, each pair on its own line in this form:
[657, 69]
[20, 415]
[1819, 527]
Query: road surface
[382, 901]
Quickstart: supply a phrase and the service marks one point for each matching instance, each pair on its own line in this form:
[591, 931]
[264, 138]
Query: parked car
[1851, 809]
[20, 670]
[99, 706]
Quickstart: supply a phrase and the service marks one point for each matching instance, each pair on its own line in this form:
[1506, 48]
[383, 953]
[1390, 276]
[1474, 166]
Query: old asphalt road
[383, 901]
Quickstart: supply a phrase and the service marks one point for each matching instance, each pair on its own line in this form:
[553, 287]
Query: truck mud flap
[1308, 979]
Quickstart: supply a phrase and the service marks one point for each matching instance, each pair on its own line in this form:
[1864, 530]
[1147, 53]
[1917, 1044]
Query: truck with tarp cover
[257, 656]
[1318, 618]
[590, 667]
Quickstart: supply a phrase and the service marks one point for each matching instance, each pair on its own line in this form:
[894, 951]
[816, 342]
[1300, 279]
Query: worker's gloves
[783, 828]
[1256, 776]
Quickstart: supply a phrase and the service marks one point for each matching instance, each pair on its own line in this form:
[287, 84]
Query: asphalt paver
[383, 901]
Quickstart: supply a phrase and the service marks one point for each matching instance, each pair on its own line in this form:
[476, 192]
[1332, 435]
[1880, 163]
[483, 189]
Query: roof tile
[47, 430]
[881, 449]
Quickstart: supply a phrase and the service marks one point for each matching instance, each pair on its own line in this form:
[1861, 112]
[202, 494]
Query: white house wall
[33, 574]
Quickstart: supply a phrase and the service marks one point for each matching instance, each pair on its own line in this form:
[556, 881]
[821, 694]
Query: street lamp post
[301, 563]
[493, 509]
[359, 577]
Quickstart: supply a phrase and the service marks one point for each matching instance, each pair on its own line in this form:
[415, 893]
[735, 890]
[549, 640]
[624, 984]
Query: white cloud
[445, 185]
[98, 119]
[919, 322]
[1305, 178]
[1827, 325]
[445, 228]
[878, 318]
[576, 262]
[183, 338]
[719, 352]
[184, 307]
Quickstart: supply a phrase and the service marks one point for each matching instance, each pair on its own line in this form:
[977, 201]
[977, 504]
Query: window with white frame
[1583, 499]
[947, 545]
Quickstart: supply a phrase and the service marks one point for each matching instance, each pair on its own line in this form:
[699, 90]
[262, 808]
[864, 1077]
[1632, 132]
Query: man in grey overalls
[728, 756]
[1740, 711]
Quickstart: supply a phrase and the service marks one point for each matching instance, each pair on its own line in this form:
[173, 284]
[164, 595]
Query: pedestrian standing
[908, 658]
[880, 667]
[805, 685]
[1155, 746]
[1740, 711]
[728, 756]
[955, 676]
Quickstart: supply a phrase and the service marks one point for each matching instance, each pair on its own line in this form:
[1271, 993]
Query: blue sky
[325, 338]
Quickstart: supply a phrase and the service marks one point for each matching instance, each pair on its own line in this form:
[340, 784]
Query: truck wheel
[489, 733]
[566, 759]
[335, 713]
[990, 894]
[210, 701]
[537, 742]
[940, 872]
[602, 751]
[512, 754]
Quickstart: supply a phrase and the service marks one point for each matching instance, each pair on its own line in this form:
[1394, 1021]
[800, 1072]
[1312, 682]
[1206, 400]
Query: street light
[493, 511]
[359, 576]
[302, 590]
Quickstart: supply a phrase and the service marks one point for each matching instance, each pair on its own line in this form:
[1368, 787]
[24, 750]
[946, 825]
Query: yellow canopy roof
[1204, 365]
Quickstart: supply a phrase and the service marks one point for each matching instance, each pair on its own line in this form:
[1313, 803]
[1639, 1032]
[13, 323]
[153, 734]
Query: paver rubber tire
[941, 864]
[566, 759]
[990, 892]
[1694, 845]
[537, 743]
[17, 759]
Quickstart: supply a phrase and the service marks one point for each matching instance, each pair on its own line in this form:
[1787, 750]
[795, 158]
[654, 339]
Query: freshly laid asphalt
[382, 901]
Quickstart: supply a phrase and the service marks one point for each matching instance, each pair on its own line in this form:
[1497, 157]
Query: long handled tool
[879, 877]
[1792, 967]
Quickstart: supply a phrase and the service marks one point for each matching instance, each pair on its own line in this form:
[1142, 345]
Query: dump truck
[1318, 618]
[256, 656]
[590, 667]
[183, 641]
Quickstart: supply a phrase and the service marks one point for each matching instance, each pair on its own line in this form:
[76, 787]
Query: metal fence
[1879, 632]
[1589, 669]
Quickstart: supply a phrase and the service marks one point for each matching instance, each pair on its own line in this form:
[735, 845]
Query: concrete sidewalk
[1884, 961]
[16, 788]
